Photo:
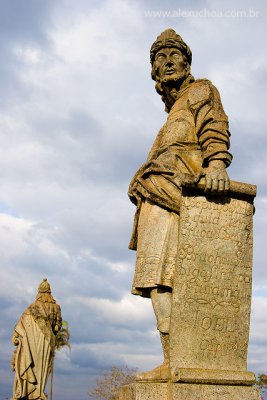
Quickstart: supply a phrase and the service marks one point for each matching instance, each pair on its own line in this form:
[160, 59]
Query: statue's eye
[160, 57]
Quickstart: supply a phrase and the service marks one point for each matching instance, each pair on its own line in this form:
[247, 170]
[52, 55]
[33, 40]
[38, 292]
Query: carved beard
[170, 83]
[173, 79]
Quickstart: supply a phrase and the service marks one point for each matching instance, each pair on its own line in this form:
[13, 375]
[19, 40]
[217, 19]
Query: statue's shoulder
[33, 309]
[201, 90]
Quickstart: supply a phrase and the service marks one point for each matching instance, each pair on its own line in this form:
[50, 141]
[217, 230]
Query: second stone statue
[35, 340]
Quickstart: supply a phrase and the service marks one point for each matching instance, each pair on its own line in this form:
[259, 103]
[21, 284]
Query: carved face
[169, 65]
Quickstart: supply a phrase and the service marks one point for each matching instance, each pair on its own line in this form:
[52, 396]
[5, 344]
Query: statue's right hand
[217, 179]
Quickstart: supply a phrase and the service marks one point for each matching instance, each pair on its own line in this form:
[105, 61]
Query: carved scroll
[212, 289]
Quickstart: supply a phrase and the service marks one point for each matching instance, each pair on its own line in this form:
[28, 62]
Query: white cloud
[28, 54]
[128, 309]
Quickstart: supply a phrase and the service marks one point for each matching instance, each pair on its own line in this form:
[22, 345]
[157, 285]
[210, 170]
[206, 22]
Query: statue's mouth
[169, 71]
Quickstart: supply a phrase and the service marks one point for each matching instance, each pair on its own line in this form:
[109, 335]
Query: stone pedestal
[211, 303]
[187, 391]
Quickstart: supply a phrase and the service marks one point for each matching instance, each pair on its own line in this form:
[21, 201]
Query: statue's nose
[168, 62]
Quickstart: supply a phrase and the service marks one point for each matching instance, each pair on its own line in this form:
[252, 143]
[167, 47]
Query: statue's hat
[169, 38]
[44, 287]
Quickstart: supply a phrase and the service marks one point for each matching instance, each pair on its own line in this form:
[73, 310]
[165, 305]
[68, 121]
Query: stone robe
[34, 336]
[196, 132]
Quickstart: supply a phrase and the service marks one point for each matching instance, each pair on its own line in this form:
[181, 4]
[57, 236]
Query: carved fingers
[217, 179]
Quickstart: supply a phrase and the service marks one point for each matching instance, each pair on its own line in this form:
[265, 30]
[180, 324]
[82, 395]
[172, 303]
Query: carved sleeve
[58, 324]
[211, 123]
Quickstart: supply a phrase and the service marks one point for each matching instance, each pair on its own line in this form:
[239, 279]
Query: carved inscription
[212, 288]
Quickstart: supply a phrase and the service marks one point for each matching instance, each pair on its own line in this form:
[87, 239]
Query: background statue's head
[44, 292]
[44, 287]
[171, 60]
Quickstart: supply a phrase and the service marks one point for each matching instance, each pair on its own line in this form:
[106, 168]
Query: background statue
[34, 338]
[193, 142]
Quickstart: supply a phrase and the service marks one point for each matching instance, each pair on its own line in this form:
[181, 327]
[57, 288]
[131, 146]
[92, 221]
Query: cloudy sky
[78, 114]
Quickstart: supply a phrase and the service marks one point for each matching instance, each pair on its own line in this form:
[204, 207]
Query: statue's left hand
[217, 180]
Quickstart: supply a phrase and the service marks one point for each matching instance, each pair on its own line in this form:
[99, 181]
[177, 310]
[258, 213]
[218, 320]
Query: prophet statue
[193, 143]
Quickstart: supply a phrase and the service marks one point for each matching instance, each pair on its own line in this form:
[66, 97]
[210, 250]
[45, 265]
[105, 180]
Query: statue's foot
[161, 373]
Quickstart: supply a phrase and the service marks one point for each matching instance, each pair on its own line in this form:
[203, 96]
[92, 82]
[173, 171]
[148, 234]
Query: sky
[78, 115]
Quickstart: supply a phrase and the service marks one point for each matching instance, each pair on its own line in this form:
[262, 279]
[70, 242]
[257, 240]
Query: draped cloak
[196, 132]
[35, 340]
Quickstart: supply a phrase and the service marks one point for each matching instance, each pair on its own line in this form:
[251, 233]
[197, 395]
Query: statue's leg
[165, 343]
[161, 300]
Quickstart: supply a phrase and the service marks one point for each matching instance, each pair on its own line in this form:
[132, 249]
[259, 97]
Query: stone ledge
[217, 377]
[186, 391]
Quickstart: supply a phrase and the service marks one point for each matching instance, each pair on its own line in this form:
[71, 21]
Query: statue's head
[44, 292]
[44, 287]
[170, 59]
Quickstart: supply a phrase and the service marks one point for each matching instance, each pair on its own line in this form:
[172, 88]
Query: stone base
[186, 391]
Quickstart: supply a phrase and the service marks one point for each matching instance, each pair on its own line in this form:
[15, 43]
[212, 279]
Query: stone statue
[34, 338]
[193, 238]
[193, 143]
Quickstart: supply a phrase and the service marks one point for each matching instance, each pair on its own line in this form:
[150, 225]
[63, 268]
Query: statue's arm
[58, 323]
[213, 135]
[15, 341]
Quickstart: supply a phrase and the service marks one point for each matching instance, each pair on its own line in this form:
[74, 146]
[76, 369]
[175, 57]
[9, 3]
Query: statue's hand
[15, 339]
[217, 180]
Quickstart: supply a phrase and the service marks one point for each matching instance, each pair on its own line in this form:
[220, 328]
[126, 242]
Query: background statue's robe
[196, 132]
[35, 340]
